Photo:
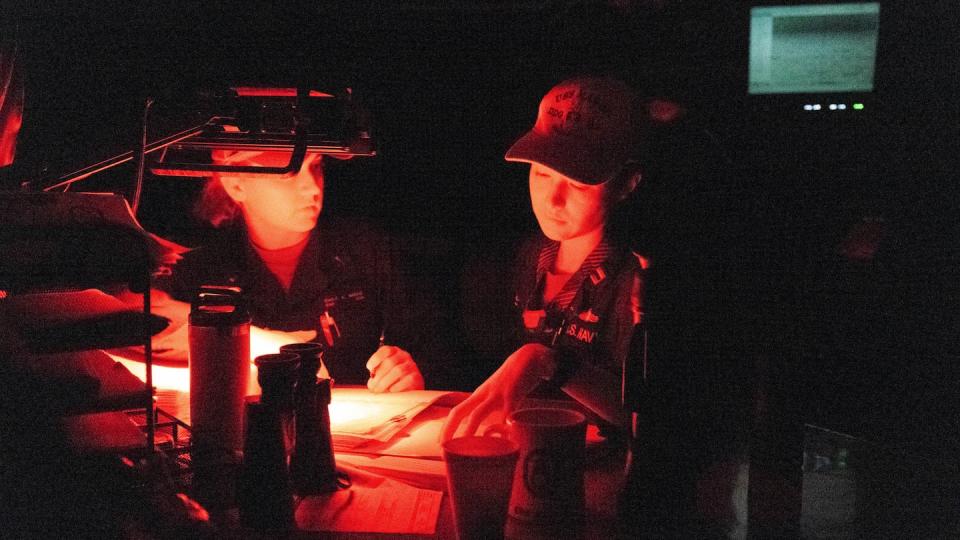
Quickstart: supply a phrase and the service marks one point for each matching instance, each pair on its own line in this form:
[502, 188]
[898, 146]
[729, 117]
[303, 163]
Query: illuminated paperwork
[395, 434]
[373, 504]
[359, 417]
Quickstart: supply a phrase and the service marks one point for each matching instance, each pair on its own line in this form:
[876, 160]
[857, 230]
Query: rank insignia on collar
[588, 316]
[598, 275]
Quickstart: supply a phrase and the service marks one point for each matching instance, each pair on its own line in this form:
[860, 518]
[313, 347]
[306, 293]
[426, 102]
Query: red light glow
[275, 92]
[178, 378]
[664, 111]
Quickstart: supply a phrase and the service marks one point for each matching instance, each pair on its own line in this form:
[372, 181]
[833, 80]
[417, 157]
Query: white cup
[548, 480]
[480, 473]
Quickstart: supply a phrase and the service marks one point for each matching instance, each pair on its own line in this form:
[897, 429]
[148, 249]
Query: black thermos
[219, 359]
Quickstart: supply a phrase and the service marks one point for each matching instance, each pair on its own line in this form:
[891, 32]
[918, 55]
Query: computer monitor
[816, 56]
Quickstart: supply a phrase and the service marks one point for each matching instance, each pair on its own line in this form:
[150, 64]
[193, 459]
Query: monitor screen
[814, 48]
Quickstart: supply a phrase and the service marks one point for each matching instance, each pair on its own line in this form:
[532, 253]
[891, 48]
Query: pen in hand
[383, 331]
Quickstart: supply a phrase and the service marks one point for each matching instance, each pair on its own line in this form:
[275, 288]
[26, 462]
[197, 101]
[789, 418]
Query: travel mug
[219, 357]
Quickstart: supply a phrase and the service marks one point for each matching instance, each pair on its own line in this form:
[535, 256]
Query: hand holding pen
[392, 369]
[383, 333]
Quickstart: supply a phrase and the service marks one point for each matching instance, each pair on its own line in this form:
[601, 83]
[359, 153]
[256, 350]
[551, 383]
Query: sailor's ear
[629, 180]
[234, 186]
[631, 184]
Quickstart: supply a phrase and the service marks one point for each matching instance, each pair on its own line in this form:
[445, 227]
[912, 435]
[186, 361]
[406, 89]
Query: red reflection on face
[279, 210]
[565, 209]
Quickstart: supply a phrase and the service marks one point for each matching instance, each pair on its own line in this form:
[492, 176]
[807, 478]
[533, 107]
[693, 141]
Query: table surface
[602, 477]
[841, 498]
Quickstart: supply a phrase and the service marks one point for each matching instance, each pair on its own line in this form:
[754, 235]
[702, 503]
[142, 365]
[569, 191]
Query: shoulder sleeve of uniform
[180, 279]
[356, 238]
[201, 265]
[525, 251]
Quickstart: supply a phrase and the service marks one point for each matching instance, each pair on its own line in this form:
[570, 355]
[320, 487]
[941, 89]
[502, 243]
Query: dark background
[750, 212]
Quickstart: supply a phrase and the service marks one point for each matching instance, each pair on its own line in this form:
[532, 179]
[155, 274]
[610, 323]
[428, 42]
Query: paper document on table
[373, 504]
[419, 439]
[358, 416]
[421, 473]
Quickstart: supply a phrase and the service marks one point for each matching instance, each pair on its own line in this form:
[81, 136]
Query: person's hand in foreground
[392, 369]
[499, 395]
[173, 342]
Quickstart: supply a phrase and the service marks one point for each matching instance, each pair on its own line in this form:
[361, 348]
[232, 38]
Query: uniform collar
[309, 279]
[591, 267]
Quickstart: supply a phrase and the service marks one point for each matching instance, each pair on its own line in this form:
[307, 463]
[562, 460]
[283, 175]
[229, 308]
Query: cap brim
[567, 156]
